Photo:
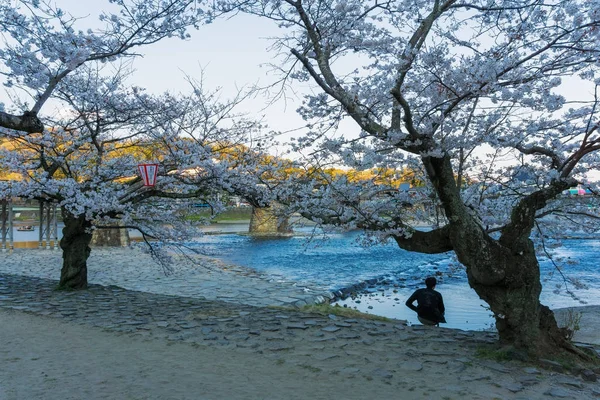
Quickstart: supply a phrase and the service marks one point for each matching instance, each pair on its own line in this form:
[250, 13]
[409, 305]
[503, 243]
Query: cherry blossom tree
[42, 46]
[86, 161]
[473, 94]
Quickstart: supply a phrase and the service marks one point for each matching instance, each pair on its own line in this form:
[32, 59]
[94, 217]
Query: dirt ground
[49, 358]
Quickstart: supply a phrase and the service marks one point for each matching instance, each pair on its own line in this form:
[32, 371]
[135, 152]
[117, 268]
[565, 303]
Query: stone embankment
[412, 361]
[190, 275]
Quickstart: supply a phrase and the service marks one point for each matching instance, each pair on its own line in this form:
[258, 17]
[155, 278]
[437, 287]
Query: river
[341, 260]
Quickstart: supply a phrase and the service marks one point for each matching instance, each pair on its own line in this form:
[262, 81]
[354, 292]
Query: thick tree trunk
[522, 321]
[505, 273]
[76, 250]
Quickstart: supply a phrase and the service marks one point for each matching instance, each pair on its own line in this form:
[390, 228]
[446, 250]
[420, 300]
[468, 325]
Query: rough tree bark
[28, 122]
[76, 250]
[503, 272]
[508, 280]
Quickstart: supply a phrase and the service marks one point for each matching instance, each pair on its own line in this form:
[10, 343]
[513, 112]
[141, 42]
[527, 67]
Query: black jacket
[430, 305]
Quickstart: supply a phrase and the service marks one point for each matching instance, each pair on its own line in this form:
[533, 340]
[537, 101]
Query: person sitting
[430, 304]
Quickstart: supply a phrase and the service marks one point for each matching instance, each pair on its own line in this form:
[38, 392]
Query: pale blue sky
[231, 52]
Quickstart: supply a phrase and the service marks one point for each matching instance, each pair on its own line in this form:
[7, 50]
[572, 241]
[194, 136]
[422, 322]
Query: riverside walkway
[191, 276]
[385, 357]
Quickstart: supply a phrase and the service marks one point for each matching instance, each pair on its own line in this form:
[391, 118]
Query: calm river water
[339, 260]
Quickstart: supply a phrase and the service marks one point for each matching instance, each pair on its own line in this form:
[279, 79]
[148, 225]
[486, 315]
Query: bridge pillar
[111, 237]
[269, 221]
[6, 224]
[48, 226]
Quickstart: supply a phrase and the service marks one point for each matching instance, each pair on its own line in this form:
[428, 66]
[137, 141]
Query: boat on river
[26, 228]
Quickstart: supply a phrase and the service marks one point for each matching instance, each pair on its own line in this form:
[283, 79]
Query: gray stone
[552, 365]
[270, 328]
[134, 323]
[496, 367]
[349, 336]
[514, 387]
[349, 370]
[442, 340]
[560, 393]
[281, 347]
[325, 356]
[404, 336]
[237, 337]
[377, 333]
[411, 366]
[589, 375]
[343, 324]
[327, 339]
[382, 373]
[531, 370]
[528, 381]
[330, 329]
[297, 326]
[472, 378]
[188, 325]
[463, 334]
[311, 322]
[570, 382]
[206, 330]
[464, 360]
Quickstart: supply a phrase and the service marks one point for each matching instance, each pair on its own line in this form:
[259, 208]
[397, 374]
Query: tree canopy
[476, 89]
[475, 98]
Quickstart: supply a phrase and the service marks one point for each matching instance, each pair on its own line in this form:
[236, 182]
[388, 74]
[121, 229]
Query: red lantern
[148, 172]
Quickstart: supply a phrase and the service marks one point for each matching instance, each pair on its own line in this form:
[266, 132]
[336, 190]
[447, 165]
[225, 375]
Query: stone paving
[408, 357]
[191, 276]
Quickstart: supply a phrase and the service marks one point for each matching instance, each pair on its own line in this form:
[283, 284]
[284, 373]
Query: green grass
[326, 309]
[494, 354]
[232, 214]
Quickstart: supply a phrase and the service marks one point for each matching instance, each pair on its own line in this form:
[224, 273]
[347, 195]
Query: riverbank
[200, 276]
[110, 343]
[190, 275]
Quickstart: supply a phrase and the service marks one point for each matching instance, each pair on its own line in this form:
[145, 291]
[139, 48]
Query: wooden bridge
[47, 224]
